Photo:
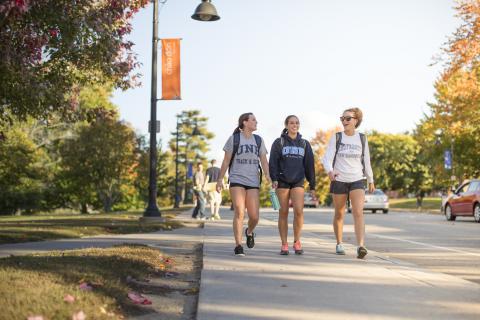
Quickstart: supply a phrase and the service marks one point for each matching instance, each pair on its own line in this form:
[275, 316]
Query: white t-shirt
[348, 164]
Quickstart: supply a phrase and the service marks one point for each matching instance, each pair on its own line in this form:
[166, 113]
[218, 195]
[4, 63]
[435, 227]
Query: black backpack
[236, 145]
[337, 146]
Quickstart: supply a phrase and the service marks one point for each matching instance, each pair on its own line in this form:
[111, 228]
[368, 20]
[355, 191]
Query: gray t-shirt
[245, 163]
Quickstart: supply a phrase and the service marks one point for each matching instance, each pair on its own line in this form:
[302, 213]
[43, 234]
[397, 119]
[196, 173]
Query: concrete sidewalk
[320, 284]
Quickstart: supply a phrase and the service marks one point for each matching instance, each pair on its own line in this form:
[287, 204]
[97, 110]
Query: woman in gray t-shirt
[250, 153]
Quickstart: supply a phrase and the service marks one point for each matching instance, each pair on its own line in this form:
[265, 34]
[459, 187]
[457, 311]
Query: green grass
[37, 284]
[14, 229]
[411, 203]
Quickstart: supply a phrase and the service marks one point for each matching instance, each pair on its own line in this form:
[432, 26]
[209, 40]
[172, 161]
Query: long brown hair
[285, 130]
[357, 113]
[241, 119]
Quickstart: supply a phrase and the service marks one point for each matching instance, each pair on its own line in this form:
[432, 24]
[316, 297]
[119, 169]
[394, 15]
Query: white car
[374, 201]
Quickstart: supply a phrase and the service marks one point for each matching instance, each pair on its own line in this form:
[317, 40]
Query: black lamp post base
[152, 212]
[152, 219]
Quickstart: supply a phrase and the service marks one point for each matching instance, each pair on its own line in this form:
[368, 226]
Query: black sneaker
[361, 252]
[239, 251]
[250, 239]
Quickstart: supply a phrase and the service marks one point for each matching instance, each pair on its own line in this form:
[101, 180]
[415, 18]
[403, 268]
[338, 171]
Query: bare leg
[297, 195]
[339, 201]
[283, 196]
[238, 195]
[253, 208]
[357, 197]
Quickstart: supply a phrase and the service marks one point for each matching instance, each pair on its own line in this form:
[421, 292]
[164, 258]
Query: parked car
[309, 201]
[465, 201]
[377, 200]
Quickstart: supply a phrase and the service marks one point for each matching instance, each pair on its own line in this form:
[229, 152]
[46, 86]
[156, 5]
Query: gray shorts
[338, 187]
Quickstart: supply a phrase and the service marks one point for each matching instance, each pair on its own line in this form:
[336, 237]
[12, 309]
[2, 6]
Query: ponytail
[284, 131]
[241, 119]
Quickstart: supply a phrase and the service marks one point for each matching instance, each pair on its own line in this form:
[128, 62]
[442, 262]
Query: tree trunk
[84, 209]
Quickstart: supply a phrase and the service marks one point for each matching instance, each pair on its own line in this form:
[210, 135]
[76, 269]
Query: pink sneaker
[284, 249]
[297, 246]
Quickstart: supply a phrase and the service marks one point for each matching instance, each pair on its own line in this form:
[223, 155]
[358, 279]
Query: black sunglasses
[347, 118]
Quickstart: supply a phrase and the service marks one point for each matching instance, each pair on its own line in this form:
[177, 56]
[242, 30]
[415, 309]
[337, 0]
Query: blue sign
[189, 170]
[447, 157]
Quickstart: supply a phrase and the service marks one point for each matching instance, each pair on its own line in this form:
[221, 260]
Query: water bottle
[274, 199]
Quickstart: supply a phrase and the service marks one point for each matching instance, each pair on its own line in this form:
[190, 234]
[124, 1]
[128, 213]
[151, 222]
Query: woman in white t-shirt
[244, 153]
[347, 162]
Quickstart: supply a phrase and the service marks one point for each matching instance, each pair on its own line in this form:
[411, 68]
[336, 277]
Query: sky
[311, 58]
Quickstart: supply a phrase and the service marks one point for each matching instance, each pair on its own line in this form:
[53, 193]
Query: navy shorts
[338, 187]
[242, 186]
[286, 185]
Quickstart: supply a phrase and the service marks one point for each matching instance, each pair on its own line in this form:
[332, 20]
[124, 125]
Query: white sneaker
[339, 249]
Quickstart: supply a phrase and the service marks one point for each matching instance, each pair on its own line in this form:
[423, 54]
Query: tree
[99, 163]
[191, 147]
[22, 172]
[397, 164]
[452, 123]
[50, 49]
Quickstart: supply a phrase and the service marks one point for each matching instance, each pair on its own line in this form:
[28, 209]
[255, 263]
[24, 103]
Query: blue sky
[312, 58]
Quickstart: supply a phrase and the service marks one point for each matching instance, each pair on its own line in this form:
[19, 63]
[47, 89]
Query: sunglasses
[346, 118]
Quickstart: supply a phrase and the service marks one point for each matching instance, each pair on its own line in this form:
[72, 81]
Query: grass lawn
[36, 285]
[411, 203]
[15, 229]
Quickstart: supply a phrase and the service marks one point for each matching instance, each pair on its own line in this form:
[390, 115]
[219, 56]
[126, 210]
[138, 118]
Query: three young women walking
[347, 162]
[245, 154]
[291, 161]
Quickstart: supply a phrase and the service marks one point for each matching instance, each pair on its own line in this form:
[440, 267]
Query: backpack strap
[338, 136]
[258, 140]
[362, 140]
[236, 144]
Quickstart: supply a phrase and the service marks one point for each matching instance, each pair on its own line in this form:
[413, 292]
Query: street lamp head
[206, 12]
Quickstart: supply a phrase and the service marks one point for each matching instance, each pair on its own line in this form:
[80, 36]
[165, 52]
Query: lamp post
[177, 196]
[205, 11]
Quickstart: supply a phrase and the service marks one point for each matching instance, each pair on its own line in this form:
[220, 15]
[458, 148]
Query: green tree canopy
[50, 49]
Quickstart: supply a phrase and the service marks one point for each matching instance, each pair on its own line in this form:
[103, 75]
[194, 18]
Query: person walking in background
[245, 157]
[291, 160]
[214, 197]
[347, 162]
[198, 183]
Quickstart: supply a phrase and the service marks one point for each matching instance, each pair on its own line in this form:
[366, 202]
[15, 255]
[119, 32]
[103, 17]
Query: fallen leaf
[35, 318]
[137, 298]
[69, 298]
[85, 286]
[80, 315]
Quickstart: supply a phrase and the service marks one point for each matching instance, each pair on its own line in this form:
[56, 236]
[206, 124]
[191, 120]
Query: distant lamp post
[448, 153]
[204, 12]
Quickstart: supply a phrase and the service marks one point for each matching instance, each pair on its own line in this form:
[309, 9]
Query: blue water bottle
[274, 199]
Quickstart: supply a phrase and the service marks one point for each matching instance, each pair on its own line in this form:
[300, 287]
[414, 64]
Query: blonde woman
[244, 152]
[347, 162]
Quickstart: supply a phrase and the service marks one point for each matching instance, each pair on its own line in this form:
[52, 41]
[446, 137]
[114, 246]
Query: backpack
[236, 145]
[337, 146]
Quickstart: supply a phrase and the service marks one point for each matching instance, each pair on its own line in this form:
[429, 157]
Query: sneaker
[250, 239]
[297, 246]
[217, 217]
[284, 250]
[361, 252]
[339, 249]
[239, 251]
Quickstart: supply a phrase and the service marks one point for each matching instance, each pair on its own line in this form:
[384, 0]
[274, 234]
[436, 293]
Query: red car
[465, 201]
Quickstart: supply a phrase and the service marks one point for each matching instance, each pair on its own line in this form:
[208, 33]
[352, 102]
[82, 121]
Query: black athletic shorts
[286, 185]
[242, 186]
[338, 187]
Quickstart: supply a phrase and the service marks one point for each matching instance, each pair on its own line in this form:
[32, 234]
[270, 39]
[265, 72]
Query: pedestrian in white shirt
[347, 162]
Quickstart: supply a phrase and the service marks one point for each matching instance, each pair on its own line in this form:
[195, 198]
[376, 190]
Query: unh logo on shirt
[247, 148]
[293, 151]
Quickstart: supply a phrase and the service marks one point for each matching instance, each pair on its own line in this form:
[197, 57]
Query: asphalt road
[426, 240]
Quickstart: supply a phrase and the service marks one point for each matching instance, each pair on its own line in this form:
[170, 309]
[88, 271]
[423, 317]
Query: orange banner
[171, 69]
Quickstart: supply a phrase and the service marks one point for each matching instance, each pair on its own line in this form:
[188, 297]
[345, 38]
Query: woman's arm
[368, 167]
[223, 170]
[327, 160]
[264, 163]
